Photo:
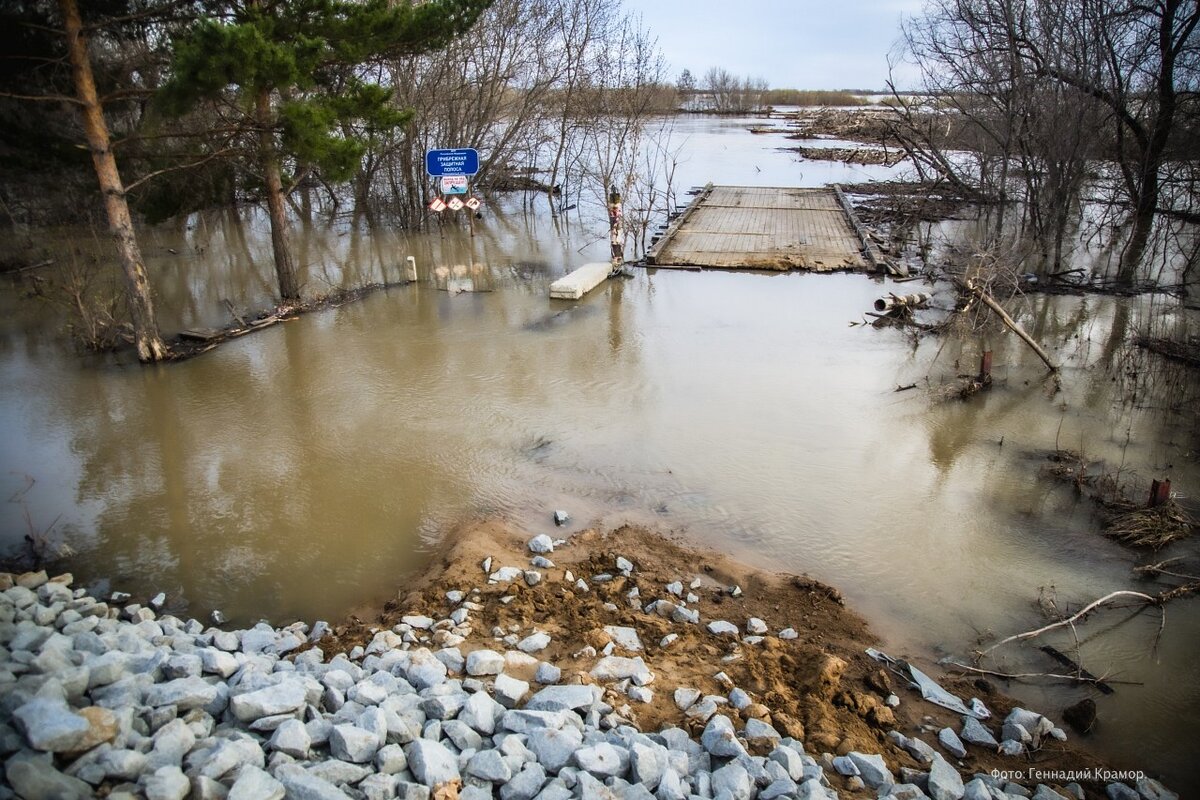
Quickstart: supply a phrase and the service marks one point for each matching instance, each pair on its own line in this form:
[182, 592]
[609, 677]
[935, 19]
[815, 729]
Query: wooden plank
[581, 281]
[673, 228]
[869, 248]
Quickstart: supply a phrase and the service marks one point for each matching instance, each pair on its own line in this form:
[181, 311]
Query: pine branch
[165, 170]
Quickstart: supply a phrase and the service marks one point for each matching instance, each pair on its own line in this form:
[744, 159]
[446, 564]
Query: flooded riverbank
[303, 471]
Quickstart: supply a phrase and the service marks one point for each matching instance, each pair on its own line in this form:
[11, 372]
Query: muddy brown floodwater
[307, 470]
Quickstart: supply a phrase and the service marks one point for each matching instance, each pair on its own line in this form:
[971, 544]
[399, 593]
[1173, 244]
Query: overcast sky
[795, 44]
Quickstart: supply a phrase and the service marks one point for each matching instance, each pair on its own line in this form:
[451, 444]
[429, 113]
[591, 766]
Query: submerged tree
[33, 60]
[147, 340]
[1042, 85]
[294, 79]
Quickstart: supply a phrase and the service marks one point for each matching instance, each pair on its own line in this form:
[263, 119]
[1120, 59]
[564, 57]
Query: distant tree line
[1060, 101]
[814, 97]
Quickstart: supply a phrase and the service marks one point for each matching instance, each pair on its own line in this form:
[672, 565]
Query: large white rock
[535, 642]
[292, 738]
[567, 696]
[616, 668]
[541, 544]
[873, 770]
[624, 637]
[506, 575]
[523, 721]
[602, 759]
[166, 783]
[32, 775]
[107, 668]
[302, 786]
[481, 712]
[352, 743]
[484, 662]
[183, 693]
[282, 698]
[509, 690]
[255, 784]
[425, 670]
[50, 725]
[944, 781]
[720, 739]
[554, 748]
[218, 662]
[720, 627]
[489, 765]
[431, 762]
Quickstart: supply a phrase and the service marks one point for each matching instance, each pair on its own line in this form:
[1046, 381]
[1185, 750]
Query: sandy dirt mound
[820, 687]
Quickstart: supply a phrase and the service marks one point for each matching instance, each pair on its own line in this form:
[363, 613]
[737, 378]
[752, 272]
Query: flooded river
[304, 471]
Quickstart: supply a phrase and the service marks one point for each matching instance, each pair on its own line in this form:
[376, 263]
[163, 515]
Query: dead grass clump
[1153, 528]
[1131, 523]
[1071, 466]
[963, 387]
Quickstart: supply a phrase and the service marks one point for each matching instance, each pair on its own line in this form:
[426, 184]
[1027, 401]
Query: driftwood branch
[1159, 601]
[991, 303]
[1161, 569]
[1148, 599]
[1027, 675]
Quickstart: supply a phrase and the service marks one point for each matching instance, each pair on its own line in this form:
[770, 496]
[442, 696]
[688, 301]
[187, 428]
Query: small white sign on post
[473, 203]
[454, 184]
[454, 203]
[436, 204]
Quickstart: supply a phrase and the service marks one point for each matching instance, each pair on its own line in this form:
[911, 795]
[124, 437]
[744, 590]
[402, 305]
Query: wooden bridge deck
[744, 227]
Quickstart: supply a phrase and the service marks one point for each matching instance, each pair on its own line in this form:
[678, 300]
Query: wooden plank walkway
[748, 227]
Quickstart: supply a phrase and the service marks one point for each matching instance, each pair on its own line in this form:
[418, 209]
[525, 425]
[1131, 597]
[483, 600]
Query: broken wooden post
[616, 230]
[985, 367]
[1160, 492]
[991, 303]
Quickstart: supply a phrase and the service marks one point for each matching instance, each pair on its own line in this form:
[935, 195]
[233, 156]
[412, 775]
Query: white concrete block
[581, 281]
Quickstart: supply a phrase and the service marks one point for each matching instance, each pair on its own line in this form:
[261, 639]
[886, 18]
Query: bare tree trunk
[285, 268]
[146, 338]
[1149, 189]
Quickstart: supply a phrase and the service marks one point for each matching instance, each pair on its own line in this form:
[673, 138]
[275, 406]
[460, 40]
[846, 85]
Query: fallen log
[991, 303]
[1084, 675]
[892, 301]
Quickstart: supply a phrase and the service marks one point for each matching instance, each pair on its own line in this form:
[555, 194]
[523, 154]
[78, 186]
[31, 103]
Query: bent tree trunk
[285, 268]
[146, 338]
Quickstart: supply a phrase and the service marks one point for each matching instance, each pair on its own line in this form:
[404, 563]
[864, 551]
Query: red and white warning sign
[437, 204]
[473, 203]
[455, 204]
[454, 184]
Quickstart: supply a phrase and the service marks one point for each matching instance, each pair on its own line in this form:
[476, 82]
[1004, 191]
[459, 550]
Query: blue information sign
[463, 161]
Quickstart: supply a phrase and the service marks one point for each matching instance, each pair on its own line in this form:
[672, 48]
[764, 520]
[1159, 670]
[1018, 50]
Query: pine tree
[293, 68]
[36, 41]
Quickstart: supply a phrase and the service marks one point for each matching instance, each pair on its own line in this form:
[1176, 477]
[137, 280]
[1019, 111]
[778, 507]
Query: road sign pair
[454, 204]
